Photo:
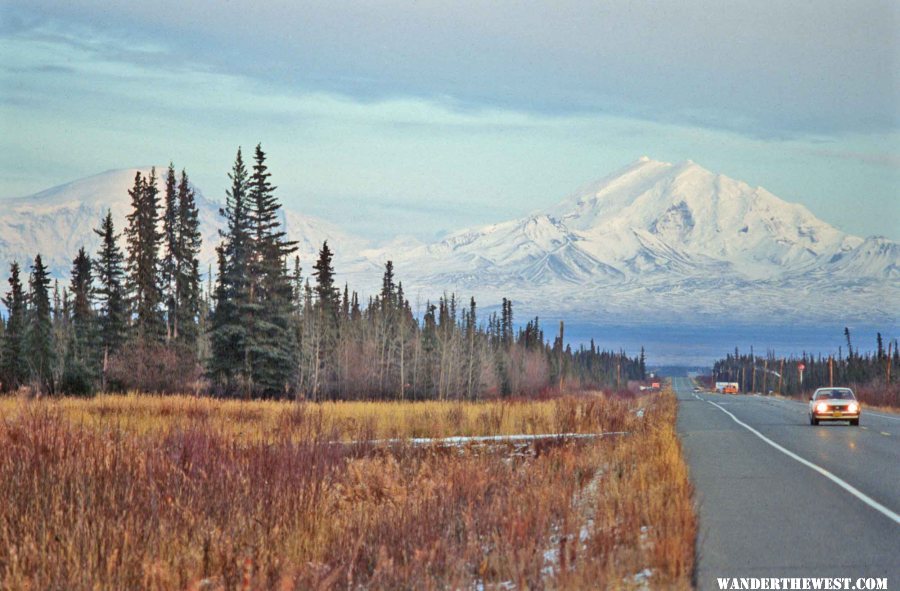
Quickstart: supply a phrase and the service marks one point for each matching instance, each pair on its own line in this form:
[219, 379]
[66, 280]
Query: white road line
[843, 484]
[878, 414]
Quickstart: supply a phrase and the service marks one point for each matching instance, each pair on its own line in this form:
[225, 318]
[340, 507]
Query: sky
[419, 118]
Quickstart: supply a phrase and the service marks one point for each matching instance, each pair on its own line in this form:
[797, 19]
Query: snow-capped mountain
[58, 221]
[652, 242]
[666, 239]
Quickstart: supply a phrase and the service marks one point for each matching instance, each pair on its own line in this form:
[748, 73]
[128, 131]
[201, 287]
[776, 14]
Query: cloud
[766, 69]
[885, 160]
[426, 117]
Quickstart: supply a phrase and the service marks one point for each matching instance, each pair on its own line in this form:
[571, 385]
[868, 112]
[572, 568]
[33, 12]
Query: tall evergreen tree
[82, 312]
[39, 334]
[325, 314]
[388, 287]
[81, 355]
[187, 268]
[110, 292]
[227, 365]
[143, 278]
[12, 354]
[327, 295]
[170, 259]
[271, 345]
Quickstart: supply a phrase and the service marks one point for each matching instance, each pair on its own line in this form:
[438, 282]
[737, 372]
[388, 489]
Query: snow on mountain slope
[651, 217]
[875, 257]
[700, 214]
[58, 221]
[664, 237]
[654, 241]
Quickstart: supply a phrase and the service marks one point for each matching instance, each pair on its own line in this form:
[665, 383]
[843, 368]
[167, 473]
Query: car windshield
[835, 395]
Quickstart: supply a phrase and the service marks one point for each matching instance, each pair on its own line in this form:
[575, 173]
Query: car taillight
[852, 408]
[821, 407]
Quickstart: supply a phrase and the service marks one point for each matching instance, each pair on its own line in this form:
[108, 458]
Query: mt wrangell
[653, 242]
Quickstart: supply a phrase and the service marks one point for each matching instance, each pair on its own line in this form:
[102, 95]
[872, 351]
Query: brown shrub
[154, 368]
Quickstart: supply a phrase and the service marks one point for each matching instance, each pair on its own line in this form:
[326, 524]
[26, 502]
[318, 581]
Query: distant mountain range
[653, 242]
[58, 221]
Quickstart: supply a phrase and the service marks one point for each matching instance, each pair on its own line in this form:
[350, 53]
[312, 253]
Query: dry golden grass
[350, 420]
[181, 493]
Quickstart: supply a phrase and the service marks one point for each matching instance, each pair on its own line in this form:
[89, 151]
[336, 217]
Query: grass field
[133, 492]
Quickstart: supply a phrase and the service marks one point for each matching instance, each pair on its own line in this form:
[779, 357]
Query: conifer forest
[140, 314]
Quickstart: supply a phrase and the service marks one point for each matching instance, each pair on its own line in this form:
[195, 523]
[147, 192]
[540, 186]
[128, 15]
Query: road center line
[843, 484]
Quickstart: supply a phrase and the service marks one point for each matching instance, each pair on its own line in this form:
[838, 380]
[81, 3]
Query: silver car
[834, 404]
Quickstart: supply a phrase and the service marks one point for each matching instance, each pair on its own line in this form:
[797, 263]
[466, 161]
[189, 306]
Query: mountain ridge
[614, 247]
[63, 217]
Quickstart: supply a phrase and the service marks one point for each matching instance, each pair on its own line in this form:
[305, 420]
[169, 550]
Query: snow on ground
[485, 439]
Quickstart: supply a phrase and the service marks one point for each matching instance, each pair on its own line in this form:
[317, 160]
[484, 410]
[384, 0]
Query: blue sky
[423, 117]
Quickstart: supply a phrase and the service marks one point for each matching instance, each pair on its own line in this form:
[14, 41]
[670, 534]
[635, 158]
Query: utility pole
[780, 376]
[752, 369]
[830, 371]
[888, 361]
[561, 373]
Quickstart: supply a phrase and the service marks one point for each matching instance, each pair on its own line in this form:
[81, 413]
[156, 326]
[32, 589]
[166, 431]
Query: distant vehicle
[697, 389]
[727, 387]
[834, 404]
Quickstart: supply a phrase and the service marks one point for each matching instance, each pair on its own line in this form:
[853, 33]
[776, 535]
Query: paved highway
[778, 497]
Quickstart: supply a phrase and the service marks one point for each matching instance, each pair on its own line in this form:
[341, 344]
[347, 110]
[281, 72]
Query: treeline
[127, 319]
[779, 374]
[140, 319]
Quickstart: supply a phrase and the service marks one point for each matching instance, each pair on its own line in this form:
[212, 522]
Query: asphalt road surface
[790, 499]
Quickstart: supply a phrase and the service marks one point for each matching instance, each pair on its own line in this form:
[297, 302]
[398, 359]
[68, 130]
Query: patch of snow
[642, 579]
[479, 439]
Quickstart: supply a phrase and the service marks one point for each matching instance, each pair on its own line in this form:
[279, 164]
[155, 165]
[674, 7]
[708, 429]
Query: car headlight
[853, 408]
[821, 407]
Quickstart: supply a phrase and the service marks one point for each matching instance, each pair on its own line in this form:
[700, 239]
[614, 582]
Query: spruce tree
[82, 313]
[388, 288]
[110, 292]
[39, 340]
[171, 255]
[326, 292]
[81, 357]
[12, 354]
[271, 346]
[227, 365]
[187, 267]
[143, 279]
[325, 312]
